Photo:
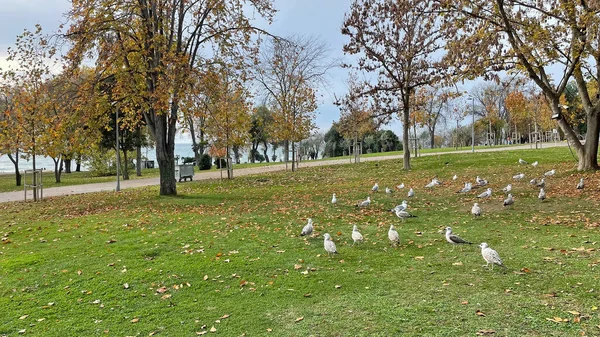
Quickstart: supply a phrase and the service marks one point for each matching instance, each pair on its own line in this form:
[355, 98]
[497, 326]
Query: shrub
[205, 162]
[221, 163]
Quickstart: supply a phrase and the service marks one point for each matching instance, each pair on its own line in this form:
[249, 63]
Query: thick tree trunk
[67, 163]
[15, 162]
[588, 159]
[165, 155]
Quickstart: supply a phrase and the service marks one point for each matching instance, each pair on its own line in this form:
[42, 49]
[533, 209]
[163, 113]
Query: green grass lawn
[227, 256]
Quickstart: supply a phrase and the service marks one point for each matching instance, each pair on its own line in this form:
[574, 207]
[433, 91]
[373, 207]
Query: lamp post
[473, 126]
[118, 152]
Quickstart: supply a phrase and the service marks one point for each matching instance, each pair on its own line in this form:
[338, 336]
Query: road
[110, 186]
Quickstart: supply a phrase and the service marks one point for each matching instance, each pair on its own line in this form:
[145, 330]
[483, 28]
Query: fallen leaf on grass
[213, 329]
[337, 286]
[165, 296]
[111, 241]
[243, 283]
[558, 320]
[299, 319]
[225, 316]
[269, 330]
[135, 320]
[464, 302]
[457, 263]
[574, 312]
[24, 316]
[485, 332]
[297, 266]
[525, 270]
[162, 290]
[126, 285]
[480, 313]
[419, 257]
[199, 333]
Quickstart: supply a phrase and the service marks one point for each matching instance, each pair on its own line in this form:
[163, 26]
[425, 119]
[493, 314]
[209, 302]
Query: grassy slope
[233, 249]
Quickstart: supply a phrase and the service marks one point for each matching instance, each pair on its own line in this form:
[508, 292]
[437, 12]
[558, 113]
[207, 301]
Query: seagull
[388, 190]
[541, 183]
[465, 189]
[550, 173]
[534, 164]
[490, 256]
[580, 185]
[478, 180]
[411, 193]
[364, 203]
[402, 207]
[454, 239]
[308, 228]
[433, 182]
[486, 194]
[542, 194]
[519, 176]
[329, 245]
[521, 161]
[476, 210]
[455, 177]
[375, 188]
[483, 182]
[402, 214]
[333, 199]
[393, 236]
[533, 181]
[509, 200]
[401, 186]
[356, 236]
[507, 189]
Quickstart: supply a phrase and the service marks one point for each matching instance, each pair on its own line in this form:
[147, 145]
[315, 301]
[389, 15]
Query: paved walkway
[110, 186]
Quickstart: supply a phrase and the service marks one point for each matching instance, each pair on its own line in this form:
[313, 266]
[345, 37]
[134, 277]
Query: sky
[302, 17]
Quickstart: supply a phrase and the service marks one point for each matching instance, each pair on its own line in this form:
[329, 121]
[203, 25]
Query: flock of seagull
[490, 256]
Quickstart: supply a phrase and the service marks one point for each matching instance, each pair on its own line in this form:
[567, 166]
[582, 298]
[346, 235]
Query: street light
[473, 126]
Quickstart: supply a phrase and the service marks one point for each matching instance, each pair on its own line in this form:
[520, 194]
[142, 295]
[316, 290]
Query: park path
[110, 186]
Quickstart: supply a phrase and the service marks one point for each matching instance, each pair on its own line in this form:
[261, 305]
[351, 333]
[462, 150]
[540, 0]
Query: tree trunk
[15, 162]
[58, 165]
[67, 163]
[138, 160]
[432, 137]
[78, 163]
[265, 148]
[405, 131]
[588, 155]
[125, 166]
[165, 153]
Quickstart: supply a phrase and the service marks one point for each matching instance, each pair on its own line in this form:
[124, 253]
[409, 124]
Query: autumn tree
[10, 141]
[356, 117]
[34, 58]
[260, 122]
[429, 107]
[290, 72]
[538, 38]
[161, 43]
[401, 44]
[228, 107]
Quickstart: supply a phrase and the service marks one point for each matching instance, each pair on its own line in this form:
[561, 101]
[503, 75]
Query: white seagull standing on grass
[333, 199]
[455, 239]
[402, 214]
[356, 236]
[509, 200]
[534, 164]
[411, 193]
[329, 245]
[465, 189]
[375, 188]
[455, 177]
[402, 207]
[476, 210]
[507, 189]
[364, 203]
[541, 183]
[580, 185]
[393, 236]
[521, 161]
[550, 173]
[308, 228]
[542, 195]
[388, 190]
[519, 176]
[490, 256]
[486, 194]
[401, 186]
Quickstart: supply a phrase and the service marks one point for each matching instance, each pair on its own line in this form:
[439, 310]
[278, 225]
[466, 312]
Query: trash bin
[183, 172]
[149, 164]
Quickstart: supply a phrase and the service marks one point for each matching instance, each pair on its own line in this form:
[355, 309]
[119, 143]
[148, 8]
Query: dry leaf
[269, 329]
[419, 257]
[480, 313]
[24, 316]
[297, 266]
[205, 277]
[574, 312]
[337, 286]
[165, 296]
[243, 283]
[307, 295]
[199, 333]
[219, 254]
[135, 320]
[464, 302]
[225, 316]
[126, 285]
[299, 319]
[485, 332]
[162, 290]
[213, 329]
[525, 270]
[457, 263]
